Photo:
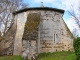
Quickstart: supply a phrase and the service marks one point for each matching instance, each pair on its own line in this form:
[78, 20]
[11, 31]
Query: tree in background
[75, 14]
[75, 32]
[6, 9]
[76, 45]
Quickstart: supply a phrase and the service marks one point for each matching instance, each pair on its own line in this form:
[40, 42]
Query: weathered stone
[38, 30]
[24, 55]
[0, 36]
[52, 32]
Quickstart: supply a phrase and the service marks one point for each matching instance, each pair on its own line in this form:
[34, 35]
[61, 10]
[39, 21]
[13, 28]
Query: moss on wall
[33, 21]
[31, 24]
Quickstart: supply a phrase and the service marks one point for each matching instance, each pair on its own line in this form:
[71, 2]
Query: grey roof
[38, 8]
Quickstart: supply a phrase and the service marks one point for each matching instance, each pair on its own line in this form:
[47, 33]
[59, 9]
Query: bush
[77, 47]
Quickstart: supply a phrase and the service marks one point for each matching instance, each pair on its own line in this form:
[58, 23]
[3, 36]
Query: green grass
[65, 55]
[57, 56]
[10, 58]
[71, 57]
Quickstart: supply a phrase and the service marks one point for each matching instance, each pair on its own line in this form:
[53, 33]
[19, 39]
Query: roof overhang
[38, 8]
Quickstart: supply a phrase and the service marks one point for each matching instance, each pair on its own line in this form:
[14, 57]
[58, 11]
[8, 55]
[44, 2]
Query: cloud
[63, 4]
[70, 21]
[72, 25]
[68, 3]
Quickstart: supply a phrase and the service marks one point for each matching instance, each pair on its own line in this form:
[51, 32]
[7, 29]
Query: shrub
[76, 45]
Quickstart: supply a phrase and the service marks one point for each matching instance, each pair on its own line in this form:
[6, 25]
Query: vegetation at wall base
[64, 55]
[76, 45]
[11, 58]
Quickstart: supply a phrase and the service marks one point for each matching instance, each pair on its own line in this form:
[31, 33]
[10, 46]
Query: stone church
[37, 30]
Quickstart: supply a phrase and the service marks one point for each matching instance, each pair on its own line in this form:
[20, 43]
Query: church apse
[41, 30]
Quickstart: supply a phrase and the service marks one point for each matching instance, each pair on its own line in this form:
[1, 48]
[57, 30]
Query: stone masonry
[51, 34]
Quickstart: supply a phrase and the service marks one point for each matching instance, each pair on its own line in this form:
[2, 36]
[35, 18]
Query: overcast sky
[60, 4]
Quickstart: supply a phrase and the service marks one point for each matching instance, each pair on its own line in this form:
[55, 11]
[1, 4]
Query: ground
[66, 55]
[57, 56]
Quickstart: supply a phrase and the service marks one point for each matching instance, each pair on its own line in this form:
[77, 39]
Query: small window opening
[56, 49]
[54, 37]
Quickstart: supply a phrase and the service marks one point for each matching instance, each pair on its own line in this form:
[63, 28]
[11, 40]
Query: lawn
[46, 56]
[10, 58]
[66, 55]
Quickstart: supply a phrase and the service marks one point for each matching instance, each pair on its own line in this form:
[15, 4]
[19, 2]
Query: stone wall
[0, 36]
[53, 33]
[21, 19]
[67, 37]
[50, 30]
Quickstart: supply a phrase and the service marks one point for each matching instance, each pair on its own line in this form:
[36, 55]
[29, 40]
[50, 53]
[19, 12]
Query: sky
[59, 4]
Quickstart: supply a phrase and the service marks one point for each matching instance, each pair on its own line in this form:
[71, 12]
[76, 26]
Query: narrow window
[54, 37]
[56, 49]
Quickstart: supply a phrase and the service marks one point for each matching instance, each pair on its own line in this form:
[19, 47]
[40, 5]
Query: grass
[57, 56]
[71, 57]
[10, 58]
[65, 55]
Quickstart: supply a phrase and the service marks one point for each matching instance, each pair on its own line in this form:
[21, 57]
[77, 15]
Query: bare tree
[75, 14]
[75, 32]
[6, 9]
